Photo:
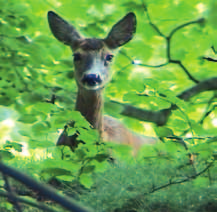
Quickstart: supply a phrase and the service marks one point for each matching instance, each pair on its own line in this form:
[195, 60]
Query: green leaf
[101, 166]
[86, 180]
[67, 165]
[151, 83]
[31, 97]
[14, 145]
[201, 182]
[43, 107]
[6, 205]
[40, 127]
[164, 132]
[53, 172]
[7, 155]
[124, 152]
[101, 157]
[212, 13]
[27, 118]
[88, 169]
[88, 136]
[40, 143]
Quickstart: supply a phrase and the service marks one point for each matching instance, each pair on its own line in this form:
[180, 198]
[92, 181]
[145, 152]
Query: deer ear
[62, 30]
[122, 31]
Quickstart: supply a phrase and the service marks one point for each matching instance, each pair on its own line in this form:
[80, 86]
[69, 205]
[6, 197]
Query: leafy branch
[161, 117]
[168, 44]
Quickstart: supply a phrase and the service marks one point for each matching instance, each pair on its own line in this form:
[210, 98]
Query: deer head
[92, 56]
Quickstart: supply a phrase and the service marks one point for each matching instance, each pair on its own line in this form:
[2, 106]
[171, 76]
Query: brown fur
[91, 44]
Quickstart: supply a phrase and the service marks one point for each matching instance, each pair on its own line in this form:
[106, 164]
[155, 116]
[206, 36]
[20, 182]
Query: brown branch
[160, 117]
[209, 59]
[157, 117]
[206, 85]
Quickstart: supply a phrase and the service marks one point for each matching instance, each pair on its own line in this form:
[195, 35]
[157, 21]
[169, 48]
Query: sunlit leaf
[86, 180]
[164, 132]
[13, 145]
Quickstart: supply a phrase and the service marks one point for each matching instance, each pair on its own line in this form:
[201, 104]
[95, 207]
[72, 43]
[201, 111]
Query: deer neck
[90, 104]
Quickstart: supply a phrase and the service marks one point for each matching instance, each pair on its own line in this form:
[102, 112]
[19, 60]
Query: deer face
[92, 57]
[91, 62]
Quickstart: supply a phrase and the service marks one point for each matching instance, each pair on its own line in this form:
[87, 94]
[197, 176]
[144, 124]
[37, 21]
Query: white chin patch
[94, 87]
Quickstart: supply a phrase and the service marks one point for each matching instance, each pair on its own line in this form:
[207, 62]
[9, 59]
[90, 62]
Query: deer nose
[91, 79]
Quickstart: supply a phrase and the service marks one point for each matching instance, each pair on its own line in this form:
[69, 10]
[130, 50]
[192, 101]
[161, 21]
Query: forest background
[164, 84]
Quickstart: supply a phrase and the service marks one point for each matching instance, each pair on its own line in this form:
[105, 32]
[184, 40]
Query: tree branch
[200, 20]
[168, 43]
[160, 117]
[181, 181]
[27, 201]
[184, 69]
[43, 189]
[209, 59]
[206, 85]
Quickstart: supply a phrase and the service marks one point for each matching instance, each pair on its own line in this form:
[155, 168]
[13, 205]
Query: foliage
[174, 49]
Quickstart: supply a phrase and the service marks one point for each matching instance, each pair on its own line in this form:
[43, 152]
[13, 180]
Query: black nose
[91, 79]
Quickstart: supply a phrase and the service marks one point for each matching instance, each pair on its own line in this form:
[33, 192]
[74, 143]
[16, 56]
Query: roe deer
[92, 57]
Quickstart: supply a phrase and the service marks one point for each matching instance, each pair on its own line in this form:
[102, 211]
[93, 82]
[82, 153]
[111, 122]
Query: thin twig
[187, 179]
[168, 43]
[209, 109]
[200, 20]
[155, 27]
[152, 66]
[184, 69]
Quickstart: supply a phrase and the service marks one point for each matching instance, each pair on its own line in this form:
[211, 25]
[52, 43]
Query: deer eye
[77, 56]
[109, 57]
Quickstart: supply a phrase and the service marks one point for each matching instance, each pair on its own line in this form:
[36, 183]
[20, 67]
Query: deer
[92, 59]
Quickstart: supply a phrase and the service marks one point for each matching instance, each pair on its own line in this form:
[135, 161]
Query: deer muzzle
[92, 81]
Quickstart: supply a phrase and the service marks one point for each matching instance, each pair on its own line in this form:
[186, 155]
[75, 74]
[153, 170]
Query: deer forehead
[91, 45]
[93, 54]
